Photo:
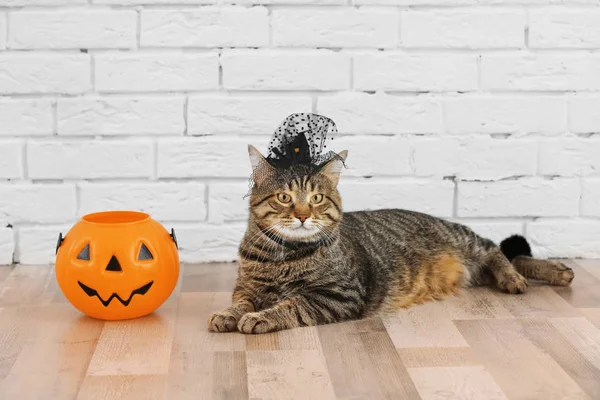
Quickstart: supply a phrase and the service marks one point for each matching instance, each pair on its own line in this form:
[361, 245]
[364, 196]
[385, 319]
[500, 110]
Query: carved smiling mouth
[92, 292]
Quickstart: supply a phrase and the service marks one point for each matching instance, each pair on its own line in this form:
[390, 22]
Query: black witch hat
[299, 141]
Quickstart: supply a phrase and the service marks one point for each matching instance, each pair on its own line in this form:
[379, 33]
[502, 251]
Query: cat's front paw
[256, 322]
[222, 322]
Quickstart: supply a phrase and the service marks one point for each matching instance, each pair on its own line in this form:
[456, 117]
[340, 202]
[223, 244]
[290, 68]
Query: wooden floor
[482, 345]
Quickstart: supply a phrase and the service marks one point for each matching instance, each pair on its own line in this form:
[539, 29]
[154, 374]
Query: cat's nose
[302, 218]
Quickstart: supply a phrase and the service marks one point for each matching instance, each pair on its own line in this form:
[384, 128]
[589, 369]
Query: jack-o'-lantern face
[117, 265]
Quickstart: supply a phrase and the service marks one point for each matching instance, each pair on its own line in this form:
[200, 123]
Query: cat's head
[298, 203]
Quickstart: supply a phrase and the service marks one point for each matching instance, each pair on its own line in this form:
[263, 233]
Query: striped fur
[352, 265]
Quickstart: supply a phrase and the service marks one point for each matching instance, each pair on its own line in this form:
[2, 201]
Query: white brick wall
[480, 111]
[117, 115]
[471, 29]
[206, 27]
[156, 72]
[564, 28]
[3, 31]
[342, 27]
[44, 73]
[73, 29]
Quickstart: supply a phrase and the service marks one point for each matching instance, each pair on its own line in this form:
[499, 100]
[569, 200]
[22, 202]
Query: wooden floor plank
[544, 335]
[521, 369]
[427, 325]
[592, 315]
[123, 387]
[192, 373]
[306, 338]
[464, 383]
[5, 271]
[584, 291]
[59, 343]
[25, 285]
[209, 278]
[417, 357]
[582, 335]
[135, 347]
[363, 363]
[475, 303]
[268, 341]
[538, 301]
[14, 328]
[591, 266]
[231, 375]
[288, 374]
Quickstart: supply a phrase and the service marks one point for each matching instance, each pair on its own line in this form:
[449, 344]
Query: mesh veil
[297, 147]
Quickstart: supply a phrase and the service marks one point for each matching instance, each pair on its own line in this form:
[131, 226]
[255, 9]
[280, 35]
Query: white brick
[468, 28]
[344, 27]
[203, 157]
[147, 72]
[541, 71]
[494, 230]
[89, 159]
[206, 27]
[24, 117]
[7, 246]
[501, 114]
[564, 28]
[21, 3]
[24, 73]
[529, 197]
[273, 70]
[227, 202]
[181, 201]
[121, 116]
[484, 158]
[469, 2]
[288, 2]
[584, 114]
[374, 155]
[415, 72]
[570, 156]
[537, 2]
[154, 2]
[37, 245]
[590, 197]
[73, 29]
[576, 238]
[381, 113]
[234, 114]
[416, 2]
[11, 159]
[37, 203]
[209, 243]
[3, 25]
[432, 197]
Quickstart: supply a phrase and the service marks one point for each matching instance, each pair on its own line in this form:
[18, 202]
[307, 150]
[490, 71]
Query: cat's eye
[284, 197]
[316, 199]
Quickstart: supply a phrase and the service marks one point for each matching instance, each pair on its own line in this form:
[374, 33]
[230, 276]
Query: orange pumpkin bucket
[117, 264]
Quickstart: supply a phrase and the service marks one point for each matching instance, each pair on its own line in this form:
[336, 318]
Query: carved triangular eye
[84, 254]
[145, 253]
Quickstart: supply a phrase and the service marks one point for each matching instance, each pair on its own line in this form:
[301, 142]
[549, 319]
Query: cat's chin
[300, 234]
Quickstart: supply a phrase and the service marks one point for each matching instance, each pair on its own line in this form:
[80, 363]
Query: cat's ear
[258, 164]
[256, 159]
[334, 167]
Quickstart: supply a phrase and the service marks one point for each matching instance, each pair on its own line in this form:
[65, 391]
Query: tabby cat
[304, 262]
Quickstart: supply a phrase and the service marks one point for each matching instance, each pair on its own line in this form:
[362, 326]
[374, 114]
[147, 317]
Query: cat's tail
[514, 246]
